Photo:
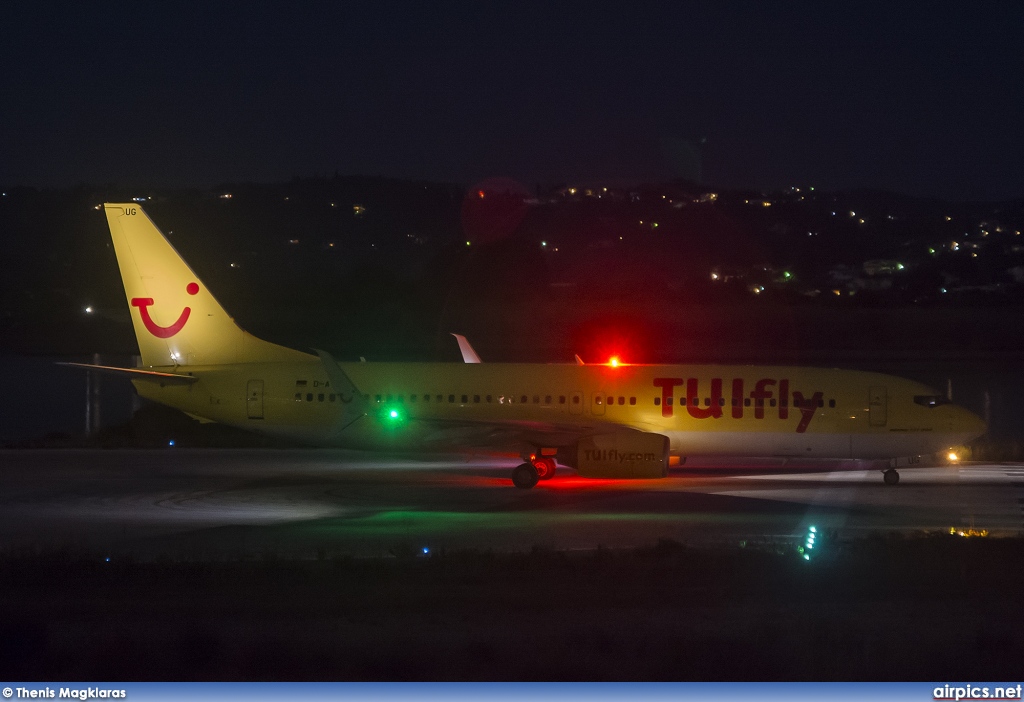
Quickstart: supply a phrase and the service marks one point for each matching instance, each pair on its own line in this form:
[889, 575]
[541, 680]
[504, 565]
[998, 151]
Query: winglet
[579, 361]
[354, 405]
[468, 354]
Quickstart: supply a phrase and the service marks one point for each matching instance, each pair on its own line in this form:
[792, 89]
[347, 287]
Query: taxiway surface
[305, 503]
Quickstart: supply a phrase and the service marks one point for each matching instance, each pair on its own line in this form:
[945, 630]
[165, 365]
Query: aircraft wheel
[891, 476]
[525, 476]
[545, 468]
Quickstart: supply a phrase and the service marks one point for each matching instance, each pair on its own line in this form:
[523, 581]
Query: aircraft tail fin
[177, 320]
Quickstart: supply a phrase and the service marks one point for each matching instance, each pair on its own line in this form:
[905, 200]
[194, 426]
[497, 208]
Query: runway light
[171, 443]
[953, 458]
[426, 551]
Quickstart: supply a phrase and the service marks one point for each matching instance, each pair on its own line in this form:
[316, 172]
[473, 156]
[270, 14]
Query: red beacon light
[613, 361]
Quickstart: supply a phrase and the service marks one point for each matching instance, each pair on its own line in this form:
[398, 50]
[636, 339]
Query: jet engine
[632, 454]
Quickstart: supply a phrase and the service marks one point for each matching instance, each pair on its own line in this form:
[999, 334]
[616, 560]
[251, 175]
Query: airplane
[605, 420]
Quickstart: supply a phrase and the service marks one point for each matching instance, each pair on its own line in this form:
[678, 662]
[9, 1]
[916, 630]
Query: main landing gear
[891, 476]
[526, 475]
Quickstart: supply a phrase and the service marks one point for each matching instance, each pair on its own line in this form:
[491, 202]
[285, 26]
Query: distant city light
[88, 310]
[467, 243]
[225, 196]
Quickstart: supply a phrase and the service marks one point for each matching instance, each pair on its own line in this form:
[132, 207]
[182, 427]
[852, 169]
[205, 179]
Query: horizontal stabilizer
[135, 373]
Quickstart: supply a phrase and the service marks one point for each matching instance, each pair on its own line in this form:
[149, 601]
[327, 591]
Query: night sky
[895, 96]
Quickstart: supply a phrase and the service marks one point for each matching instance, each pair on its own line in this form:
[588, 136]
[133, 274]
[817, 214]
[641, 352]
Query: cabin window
[771, 402]
[440, 398]
[320, 397]
[784, 402]
[657, 401]
[832, 403]
[759, 402]
[465, 399]
[598, 400]
[561, 399]
[309, 397]
[412, 398]
[668, 401]
[746, 402]
[298, 397]
[331, 397]
[575, 399]
[721, 402]
[821, 403]
[401, 398]
[536, 399]
[547, 399]
[632, 400]
[488, 398]
[451, 398]
[476, 398]
[389, 398]
[523, 400]
[622, 400]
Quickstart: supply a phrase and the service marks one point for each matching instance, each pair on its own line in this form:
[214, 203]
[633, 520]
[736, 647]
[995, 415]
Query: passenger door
[877, 407]
[254, 399]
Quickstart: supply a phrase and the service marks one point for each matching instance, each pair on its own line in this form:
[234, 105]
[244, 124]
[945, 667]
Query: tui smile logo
[155, 329]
